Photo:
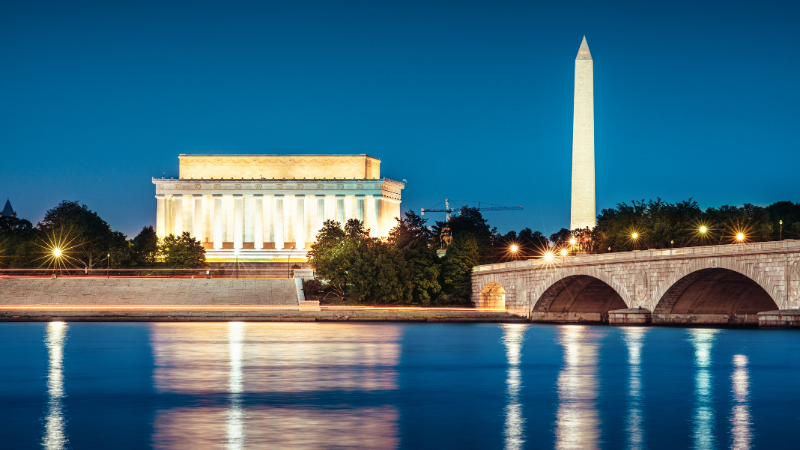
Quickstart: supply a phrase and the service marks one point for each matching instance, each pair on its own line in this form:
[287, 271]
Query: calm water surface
[261, 385]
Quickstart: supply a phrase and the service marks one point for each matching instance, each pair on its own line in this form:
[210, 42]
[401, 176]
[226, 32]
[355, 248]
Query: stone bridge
[737, 284]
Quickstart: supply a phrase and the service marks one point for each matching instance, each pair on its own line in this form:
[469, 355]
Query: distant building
[271, 206]
[8, 211]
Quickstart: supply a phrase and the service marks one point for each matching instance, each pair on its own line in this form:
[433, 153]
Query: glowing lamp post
[563, 252]
[634, 236]
[740, 237]
[703, 229]
[548, 256]
[513, 249]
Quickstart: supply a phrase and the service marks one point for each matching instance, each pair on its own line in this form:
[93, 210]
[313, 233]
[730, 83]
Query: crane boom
[450, 210]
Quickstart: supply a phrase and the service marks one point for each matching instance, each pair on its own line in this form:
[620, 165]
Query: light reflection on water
[577, 423]
[256, 385]
[740, 416]
[634, 339]
[703, 342]
[513, 335]
[54, 428]
[239, 359]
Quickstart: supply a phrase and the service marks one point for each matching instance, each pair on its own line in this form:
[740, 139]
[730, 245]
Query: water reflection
[703, 342]
[235, 429]
[740, 416]
[54, 428]
[513, 335]
[577, 423]
[238, 360]
[634, 339]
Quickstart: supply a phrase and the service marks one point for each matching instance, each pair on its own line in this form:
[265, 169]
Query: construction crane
[450, 210]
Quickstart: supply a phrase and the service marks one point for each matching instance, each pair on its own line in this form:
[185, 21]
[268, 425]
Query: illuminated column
[238, 221]
[197, 215]
[376, 214]
[330, 207]
[314, 212]
[359, 200]
[278, 222]
[177, 214]
[288, 219]
[300, 222]
[269, 215]
[230, 217]
[188, 216]
[349, 207]
[208, 218]
[219, 222]
[321, 213]
[161, 215]
[249, 222]
[340, 211]
[258, 221]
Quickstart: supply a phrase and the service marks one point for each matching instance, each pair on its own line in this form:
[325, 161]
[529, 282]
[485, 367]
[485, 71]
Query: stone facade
[654, 280]
[264, 206]
[583, 213]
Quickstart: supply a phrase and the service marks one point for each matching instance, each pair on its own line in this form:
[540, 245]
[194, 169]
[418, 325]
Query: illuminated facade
[583, 211]
[265, 206]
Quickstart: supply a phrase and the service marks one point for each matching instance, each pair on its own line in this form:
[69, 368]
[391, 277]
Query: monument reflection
[740, 416]
[703, 418]
[513, 335]
[634, 340]
[54, 428]
[577, 423]
[244, 363]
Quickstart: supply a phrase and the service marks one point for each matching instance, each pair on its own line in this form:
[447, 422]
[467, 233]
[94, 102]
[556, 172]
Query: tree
[182, 252]
[90, 237]
[412, 239]
[462, 256]
[469, 220]
[145, 246]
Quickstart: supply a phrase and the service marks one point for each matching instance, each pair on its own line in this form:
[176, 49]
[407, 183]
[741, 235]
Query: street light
[108, 268]
[635, 236]
[572, 241]
[740, 237]
[563, 252]
[703, 229]
[513, 250]
[548, 256]
[780, 233]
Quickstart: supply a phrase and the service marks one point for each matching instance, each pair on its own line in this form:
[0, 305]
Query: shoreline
[75, 313]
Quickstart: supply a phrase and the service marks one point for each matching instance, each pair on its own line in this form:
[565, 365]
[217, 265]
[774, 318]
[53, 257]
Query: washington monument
[583, 212]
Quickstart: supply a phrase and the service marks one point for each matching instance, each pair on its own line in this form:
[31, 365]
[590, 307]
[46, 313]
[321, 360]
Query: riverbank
[246, 313]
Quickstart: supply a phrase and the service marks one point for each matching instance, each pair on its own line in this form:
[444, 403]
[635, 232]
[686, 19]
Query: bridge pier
[785, 318]
[568, 317]
[630, 316]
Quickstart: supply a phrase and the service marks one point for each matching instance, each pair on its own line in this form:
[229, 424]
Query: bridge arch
[577, 294]
[492, 296]
[716, 294]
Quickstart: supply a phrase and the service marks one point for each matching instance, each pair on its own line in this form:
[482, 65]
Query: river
[319, 386]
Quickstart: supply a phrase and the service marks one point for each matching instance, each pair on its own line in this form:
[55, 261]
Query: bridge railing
[727, 249]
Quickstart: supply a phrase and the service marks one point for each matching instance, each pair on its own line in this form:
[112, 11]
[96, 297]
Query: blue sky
[465, 100]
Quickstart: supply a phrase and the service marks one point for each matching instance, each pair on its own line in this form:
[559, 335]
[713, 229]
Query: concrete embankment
[247, 314]
[147, 291]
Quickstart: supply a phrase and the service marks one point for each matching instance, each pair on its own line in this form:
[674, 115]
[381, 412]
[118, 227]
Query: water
[315, 386]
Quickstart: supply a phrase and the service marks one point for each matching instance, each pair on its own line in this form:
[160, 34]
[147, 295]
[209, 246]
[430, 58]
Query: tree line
[82, 239]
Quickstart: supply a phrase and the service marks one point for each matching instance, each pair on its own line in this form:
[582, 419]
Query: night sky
[465, 100]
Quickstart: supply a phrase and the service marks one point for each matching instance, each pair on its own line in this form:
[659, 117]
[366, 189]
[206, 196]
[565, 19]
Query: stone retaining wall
[147, 291]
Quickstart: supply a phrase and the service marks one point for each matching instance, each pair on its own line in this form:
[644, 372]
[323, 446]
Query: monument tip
[583, 51]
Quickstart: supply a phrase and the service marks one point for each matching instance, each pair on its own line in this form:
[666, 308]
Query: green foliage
[469, 220]
[660, 224]
[413, 240]
[182, 252]
[89, 236]
[462, 256]
[145, 246]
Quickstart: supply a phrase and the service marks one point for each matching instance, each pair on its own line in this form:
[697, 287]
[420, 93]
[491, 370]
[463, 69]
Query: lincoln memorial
[265, 206]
